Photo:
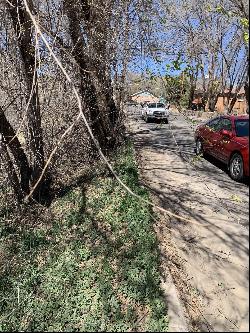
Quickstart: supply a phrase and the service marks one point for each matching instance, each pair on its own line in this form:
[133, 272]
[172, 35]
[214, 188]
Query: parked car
[155, 111]
[227, 139]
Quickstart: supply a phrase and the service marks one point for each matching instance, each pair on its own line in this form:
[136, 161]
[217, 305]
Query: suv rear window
[242, 127]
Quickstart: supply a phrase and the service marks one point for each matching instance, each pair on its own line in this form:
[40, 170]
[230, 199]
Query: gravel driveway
[215, 252]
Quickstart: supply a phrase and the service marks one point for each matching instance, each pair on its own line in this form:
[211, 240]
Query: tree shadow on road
[173, 174]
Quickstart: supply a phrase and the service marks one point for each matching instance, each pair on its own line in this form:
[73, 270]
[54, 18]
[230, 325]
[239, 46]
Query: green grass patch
[91, 266]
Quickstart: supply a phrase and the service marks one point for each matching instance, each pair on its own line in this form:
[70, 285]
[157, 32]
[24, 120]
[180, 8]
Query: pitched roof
[143, 93]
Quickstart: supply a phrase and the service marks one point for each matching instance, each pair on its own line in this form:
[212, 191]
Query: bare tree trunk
[96, 89]
[232, 103]
[212, 100]
[204, 97]
[205, 88]
[17, 151]
[191, 94]
[193, 74]
[125, 60]
[225, 102]
[12, 176]
[97, 19]
[240, 84]
[210, 94]
[23, 29]
[229, 95]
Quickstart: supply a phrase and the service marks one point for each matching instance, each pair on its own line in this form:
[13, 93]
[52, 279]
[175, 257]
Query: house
[142, 97]
[240, 106]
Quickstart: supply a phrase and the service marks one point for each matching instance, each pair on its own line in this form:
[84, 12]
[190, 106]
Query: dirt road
[216, 251]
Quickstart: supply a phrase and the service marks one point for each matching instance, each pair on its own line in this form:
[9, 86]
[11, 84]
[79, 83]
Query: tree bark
[23, 30]
[191, 95]
[204, 97]
[8, 165]
[96, 91]
[125, 61]
[17, 151]
[97, 27]
[232, 103]
[193, 75]
[212, 100]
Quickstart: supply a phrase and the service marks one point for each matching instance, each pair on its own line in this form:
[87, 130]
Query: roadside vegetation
[77, 251]
[87, 263]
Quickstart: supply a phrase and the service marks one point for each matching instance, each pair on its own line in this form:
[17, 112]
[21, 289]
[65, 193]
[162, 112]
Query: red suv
[227, 139]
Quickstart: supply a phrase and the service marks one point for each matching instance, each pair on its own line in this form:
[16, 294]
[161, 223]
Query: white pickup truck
[155, 111]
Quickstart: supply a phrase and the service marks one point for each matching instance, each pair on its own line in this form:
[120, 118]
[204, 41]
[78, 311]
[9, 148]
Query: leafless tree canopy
[99, 43]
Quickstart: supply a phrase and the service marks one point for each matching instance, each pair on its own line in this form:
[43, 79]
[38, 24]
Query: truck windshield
[152, 105]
